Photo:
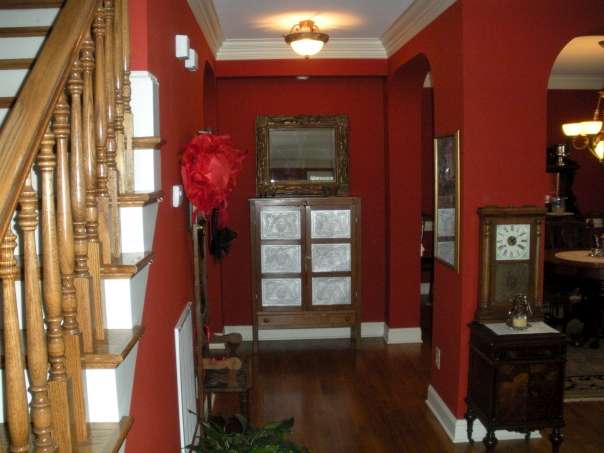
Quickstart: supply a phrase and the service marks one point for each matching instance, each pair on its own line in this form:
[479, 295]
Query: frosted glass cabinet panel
[330, 224]
[280, 223]
[281, 292]
[306, 263]
[281, 259]
[331, 291]
[331, 258]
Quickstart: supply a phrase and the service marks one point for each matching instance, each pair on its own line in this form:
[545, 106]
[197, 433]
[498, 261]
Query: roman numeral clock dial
[513, 242]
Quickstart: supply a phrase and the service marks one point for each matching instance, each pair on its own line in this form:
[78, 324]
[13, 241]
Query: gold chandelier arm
[581, 142]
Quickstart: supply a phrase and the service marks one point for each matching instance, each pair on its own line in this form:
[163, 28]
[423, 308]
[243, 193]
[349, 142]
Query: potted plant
[236, 435]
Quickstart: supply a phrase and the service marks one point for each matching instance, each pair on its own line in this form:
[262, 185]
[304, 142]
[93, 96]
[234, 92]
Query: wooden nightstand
[516, 380]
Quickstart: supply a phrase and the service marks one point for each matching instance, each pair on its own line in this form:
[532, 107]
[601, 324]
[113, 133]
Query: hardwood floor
[373, 400]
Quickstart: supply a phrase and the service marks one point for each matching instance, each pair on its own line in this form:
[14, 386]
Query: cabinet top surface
[539, 327]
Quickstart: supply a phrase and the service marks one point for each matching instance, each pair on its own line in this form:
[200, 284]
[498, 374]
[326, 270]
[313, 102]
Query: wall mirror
[302, 155]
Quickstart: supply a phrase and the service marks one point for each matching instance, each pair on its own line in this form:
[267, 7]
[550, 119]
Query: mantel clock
[510, 260]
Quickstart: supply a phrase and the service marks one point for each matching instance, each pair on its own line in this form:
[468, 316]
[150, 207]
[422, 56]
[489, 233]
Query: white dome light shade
[307, 47]
[591, 127]
[305, 38]
[572, 129]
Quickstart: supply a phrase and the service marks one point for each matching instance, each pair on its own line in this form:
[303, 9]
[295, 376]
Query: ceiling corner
[207, 18]
[415, 18]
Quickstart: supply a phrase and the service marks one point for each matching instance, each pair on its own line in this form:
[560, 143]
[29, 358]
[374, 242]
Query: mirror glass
[302, 154]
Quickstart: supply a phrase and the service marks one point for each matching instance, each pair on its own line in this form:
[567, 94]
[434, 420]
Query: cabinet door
[280, 248]
[331, 254]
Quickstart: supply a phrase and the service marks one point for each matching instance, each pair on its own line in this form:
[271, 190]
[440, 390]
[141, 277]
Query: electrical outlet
[437, 357]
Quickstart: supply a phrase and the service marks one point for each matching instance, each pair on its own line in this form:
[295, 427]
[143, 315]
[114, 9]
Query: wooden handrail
[26, 124]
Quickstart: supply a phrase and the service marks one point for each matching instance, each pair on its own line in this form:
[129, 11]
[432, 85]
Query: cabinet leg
[470, 417]
[244, 404]
[490, 441]
[556, 437]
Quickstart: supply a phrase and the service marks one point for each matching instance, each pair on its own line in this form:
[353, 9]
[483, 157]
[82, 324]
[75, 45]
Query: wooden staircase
[77, 222]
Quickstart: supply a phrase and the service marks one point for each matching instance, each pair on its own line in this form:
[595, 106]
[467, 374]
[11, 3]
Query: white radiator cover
[185, 376]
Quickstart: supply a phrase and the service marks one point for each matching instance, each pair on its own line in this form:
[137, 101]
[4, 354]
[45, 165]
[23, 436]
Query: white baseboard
[456, 429]
[372, 329]
[401, 335]
[368, 330]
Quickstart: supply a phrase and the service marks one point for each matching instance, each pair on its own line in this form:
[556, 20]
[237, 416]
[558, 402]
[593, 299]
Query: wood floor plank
[373, 401]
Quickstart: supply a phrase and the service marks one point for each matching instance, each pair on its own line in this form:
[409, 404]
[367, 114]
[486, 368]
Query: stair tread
[6, 102]
[147, 142]
[138, 199]
[22, 32]
[114, 350]
[104, 437]
[127, 265]
[107, 354]
[30, 4]
[17, 63]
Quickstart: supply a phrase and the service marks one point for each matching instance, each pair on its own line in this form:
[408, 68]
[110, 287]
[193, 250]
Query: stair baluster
[37, 356]
[58, 383]
[75, 86]
[118, 85]
[71, 327]
[126, 95]
[112, 173]
[16, 396]
[88, 145]
[100, 104]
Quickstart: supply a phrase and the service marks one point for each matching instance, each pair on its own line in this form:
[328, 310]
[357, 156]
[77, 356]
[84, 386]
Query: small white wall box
[182, 47]
[177, 196]
[191, 62]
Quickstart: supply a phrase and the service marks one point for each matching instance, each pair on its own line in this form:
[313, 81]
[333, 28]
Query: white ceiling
[265, 19]
[254, 29]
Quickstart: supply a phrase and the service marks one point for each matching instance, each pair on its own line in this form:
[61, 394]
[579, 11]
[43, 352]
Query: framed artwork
[446, 199]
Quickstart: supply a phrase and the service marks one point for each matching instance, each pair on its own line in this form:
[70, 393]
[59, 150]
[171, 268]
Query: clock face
[512, 242]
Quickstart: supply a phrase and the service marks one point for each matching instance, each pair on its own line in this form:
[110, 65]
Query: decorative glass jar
[519, 314]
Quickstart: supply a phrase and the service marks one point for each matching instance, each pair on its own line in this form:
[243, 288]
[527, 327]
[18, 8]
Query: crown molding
[277, 49]
[415, 18]
[207, 18]
[575, 82]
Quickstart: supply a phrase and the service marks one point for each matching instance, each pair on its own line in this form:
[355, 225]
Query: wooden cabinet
[306, 269]
[516, 380]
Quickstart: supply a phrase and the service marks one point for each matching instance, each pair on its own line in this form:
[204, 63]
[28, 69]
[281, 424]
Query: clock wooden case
[511, 243]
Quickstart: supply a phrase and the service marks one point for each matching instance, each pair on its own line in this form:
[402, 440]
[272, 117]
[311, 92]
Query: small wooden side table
[516, 380]
[229, 381]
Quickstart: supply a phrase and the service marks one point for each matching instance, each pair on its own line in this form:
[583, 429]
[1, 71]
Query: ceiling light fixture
[305, 38]
[589, 134]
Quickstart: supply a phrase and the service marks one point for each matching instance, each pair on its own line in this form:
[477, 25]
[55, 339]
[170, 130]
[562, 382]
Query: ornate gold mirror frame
[336, 183]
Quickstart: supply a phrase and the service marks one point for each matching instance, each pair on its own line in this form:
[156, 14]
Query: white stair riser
[138, 228]
[109, 391]
[26, 47]
[3, 113]
[147, 170]
[124, 300]
[10, 81]
[37, 17]
[145, 103]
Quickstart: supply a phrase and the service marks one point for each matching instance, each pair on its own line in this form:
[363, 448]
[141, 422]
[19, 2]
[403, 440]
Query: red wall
[566, 106]
[361, 98]
[170, 286]
[494, 90]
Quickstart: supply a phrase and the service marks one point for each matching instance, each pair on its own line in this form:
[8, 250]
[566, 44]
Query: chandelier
[589, 134]
[305, 38]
